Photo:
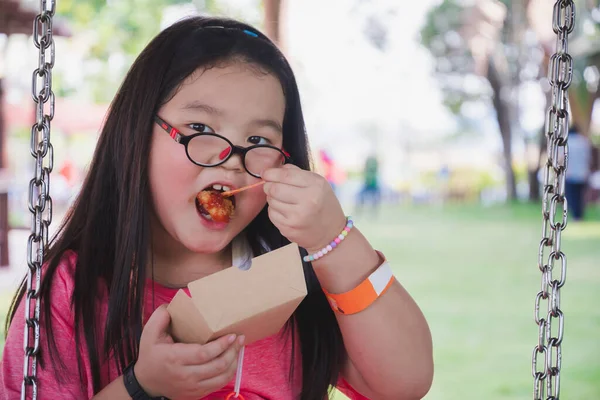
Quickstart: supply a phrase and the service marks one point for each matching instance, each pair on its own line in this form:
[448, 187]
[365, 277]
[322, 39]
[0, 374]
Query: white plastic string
[238, 373]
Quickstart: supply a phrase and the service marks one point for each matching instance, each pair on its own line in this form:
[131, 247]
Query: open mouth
[213, 206]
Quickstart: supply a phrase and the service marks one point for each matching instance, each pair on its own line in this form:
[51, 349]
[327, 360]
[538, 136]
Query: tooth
[217, 186]
[207, 216]
[226, 188]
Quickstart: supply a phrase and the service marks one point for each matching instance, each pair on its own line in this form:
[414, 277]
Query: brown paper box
[255, 303]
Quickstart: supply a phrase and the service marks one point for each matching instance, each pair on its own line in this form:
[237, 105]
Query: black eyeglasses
[212, 149]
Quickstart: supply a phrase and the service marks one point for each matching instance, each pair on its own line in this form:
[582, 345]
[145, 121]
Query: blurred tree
[585, 48]
[117, 31]
[273, 20]
[374, 18]
[487, 51]
[477, 56]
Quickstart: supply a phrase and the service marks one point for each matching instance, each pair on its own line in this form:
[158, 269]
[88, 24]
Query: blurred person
[443, 176]
[371, 190]
[578, 172]
[328, 166]
[68, 172]
[593, 190]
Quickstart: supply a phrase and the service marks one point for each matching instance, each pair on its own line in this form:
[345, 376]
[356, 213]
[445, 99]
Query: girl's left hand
[303, 206]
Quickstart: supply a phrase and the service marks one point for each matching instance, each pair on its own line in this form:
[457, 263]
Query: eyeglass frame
[242, 151]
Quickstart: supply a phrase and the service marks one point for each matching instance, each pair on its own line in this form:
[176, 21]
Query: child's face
[237, 102]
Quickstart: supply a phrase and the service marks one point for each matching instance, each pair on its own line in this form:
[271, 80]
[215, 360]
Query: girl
[136, 234]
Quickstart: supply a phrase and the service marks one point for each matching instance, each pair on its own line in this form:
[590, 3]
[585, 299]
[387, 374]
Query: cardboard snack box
[255, 303]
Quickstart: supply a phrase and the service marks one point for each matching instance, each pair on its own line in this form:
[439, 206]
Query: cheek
[172, 176]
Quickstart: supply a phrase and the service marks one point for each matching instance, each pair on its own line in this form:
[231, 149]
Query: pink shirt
[266, 362]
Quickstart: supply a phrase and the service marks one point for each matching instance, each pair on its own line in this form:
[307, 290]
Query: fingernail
[231, 338]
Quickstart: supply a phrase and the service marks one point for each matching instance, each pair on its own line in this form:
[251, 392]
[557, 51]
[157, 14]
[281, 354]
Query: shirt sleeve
[70, 386]
[344, 387]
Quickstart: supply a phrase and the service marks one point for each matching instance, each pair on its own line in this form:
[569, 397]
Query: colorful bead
[334, 243]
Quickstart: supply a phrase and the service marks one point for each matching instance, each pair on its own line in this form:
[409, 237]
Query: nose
[234, 162]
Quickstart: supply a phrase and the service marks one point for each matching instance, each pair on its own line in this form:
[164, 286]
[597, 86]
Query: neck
[173, 265]
[176, 271]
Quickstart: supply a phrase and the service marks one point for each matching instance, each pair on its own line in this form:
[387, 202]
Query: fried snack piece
[218, 207]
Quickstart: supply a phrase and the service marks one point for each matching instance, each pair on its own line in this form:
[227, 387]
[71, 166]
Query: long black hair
[109, 224]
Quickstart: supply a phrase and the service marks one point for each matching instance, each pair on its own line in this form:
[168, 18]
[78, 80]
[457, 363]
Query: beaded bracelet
[334, 243]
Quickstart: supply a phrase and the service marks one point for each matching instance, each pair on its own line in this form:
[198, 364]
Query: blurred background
[427, 117]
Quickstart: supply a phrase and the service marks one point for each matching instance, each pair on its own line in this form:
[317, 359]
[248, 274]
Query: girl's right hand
[182, 371]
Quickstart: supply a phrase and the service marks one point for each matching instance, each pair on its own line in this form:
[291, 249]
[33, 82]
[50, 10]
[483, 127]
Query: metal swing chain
[550, 323]
[40, 202]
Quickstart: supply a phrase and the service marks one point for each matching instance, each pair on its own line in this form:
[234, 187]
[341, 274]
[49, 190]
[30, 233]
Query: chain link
[39, 200]
[547, 315]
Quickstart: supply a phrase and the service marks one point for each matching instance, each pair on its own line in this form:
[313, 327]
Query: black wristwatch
[133, 386]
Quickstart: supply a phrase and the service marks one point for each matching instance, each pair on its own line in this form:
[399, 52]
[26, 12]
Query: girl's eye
[258, 140]
[201, 128]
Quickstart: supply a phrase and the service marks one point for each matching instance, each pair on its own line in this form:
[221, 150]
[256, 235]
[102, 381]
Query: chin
[206, 239]
[209, 243]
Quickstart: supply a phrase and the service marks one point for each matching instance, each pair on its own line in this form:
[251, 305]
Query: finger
[277, 217]
[193, 354]
[290, 176]
[218, 381]
[158, 323]
[286, 166]
[282, 192]
[283, 208]
[291, 166]
[218, 366]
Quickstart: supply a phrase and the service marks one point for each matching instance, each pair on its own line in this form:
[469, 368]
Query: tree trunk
[532, 173]
[534, 185]
[582, 100]
[533, 170]
[503, 118]
[273, 20]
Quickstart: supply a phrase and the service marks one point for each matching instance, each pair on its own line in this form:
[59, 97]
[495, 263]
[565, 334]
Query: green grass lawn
[474, 273]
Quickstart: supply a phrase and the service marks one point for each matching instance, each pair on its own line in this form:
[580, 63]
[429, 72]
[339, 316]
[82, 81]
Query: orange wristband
[365, 294]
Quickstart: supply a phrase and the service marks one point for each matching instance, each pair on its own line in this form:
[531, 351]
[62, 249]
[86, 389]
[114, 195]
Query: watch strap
[134, 388]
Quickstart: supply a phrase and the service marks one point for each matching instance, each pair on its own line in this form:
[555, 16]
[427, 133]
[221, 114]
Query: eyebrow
[198, 106]
[268, 123]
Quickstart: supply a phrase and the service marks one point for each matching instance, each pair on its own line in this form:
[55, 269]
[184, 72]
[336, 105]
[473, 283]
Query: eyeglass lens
[211, 150]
